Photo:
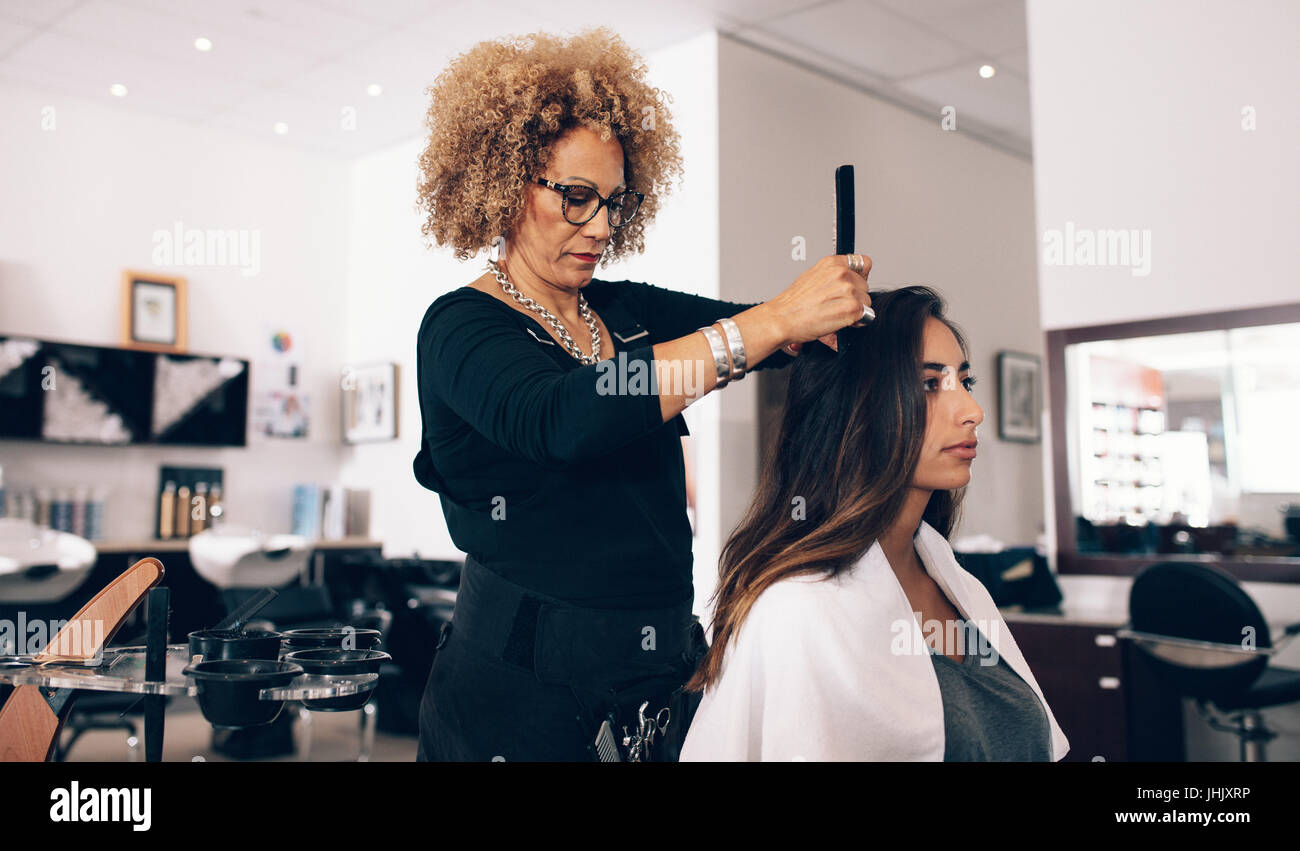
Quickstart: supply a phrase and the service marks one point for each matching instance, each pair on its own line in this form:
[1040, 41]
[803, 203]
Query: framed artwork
[1019, 397]
[282, 404]
[370, 403]
[153, 312]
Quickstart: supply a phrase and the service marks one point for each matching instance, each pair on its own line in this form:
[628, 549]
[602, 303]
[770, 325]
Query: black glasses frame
[565, 188]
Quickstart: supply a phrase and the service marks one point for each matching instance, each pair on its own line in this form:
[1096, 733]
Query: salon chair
[421, 596]
[1208, 640]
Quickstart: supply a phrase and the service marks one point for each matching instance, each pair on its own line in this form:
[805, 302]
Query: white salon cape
[838, 669]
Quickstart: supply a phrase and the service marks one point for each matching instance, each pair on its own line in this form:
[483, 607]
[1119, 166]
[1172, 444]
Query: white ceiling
[302, 62]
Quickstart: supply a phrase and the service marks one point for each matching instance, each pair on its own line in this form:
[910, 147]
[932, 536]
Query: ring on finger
[868, 315]
[855, 263]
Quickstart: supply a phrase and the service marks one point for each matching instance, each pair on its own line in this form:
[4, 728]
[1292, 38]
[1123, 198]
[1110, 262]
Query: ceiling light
[202, 44]
[374, 90]
[987, 71]
[118, 90]
[280, 128]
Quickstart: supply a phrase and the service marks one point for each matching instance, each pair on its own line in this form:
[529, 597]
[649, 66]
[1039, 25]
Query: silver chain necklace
[555, 323]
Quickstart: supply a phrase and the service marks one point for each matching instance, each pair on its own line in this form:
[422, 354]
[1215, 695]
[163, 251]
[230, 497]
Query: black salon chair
[1206, 637]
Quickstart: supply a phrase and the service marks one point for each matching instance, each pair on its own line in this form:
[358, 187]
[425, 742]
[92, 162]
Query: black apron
[521, 677]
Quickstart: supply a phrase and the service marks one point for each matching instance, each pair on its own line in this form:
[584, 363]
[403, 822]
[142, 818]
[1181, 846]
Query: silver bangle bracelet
[736, 345]
[719, 354]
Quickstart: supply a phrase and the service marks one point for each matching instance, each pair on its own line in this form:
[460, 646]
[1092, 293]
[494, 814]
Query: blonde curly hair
[497, 109]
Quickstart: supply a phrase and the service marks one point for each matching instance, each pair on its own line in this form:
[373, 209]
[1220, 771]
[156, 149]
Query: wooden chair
[30, 720]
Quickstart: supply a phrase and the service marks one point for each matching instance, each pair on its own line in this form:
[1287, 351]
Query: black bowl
[214, 644]
[228, 690]
[335, 637]
[329, 662]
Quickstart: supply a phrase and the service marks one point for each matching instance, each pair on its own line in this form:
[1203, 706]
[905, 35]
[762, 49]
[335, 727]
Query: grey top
[990, 714]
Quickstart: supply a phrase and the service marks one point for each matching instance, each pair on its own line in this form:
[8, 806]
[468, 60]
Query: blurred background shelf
[181, 545]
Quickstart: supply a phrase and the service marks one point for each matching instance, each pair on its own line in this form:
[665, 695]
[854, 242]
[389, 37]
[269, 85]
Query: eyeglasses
[581, 203]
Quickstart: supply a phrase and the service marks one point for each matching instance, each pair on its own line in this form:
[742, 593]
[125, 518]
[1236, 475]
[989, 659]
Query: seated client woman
[843, 627]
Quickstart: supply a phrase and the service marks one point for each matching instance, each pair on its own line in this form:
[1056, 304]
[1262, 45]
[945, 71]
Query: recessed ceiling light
[987, 71]
[118, 90]
[280, 128]
[202, 44]
[374, 90]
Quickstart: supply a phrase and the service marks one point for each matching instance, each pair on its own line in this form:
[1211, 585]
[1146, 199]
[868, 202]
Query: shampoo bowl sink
[234, 557]
[39, 564]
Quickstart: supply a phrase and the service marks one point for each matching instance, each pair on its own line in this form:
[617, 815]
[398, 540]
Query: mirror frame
[1068, 558]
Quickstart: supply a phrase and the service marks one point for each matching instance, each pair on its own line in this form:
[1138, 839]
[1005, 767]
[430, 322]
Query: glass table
[122, 669]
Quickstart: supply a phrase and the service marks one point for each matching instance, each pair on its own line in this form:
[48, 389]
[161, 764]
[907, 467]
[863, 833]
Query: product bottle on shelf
[19, 503]
[167, 511]
[53, 514]
[95, 513]
[216, 511]
[41, 515]
[199, 514]
[79, 498]
[61, 511]
[183, 511]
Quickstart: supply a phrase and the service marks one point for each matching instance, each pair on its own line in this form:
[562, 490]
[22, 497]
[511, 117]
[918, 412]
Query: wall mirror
[1179, 443]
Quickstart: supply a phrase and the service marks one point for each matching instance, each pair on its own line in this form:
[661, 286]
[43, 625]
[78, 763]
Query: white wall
[1137, 123]
[933, 207]
[81, 203]
[392, 279]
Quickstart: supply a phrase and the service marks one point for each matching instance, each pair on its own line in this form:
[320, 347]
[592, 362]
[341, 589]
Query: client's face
[951, 414]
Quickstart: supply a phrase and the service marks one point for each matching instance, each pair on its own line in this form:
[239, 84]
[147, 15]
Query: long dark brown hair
[837, 476]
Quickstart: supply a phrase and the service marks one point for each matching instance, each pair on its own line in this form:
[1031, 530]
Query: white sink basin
[40, 565]
[238, 557]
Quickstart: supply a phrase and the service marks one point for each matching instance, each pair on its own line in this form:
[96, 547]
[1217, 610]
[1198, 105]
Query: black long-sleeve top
[545, 476]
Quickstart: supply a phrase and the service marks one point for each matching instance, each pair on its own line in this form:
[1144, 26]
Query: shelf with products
[77, 509]
[189, 500]
[1122, 475]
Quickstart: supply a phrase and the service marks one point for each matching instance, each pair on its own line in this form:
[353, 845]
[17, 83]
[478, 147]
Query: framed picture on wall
[153, 312]
[1019, 397]
[370, 403]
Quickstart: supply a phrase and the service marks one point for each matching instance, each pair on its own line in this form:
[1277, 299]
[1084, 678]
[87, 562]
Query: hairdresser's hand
[824, 299]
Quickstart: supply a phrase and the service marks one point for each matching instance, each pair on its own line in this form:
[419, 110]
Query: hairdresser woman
[551, 403]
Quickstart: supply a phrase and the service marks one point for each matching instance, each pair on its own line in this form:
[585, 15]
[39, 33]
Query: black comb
[845, 226]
